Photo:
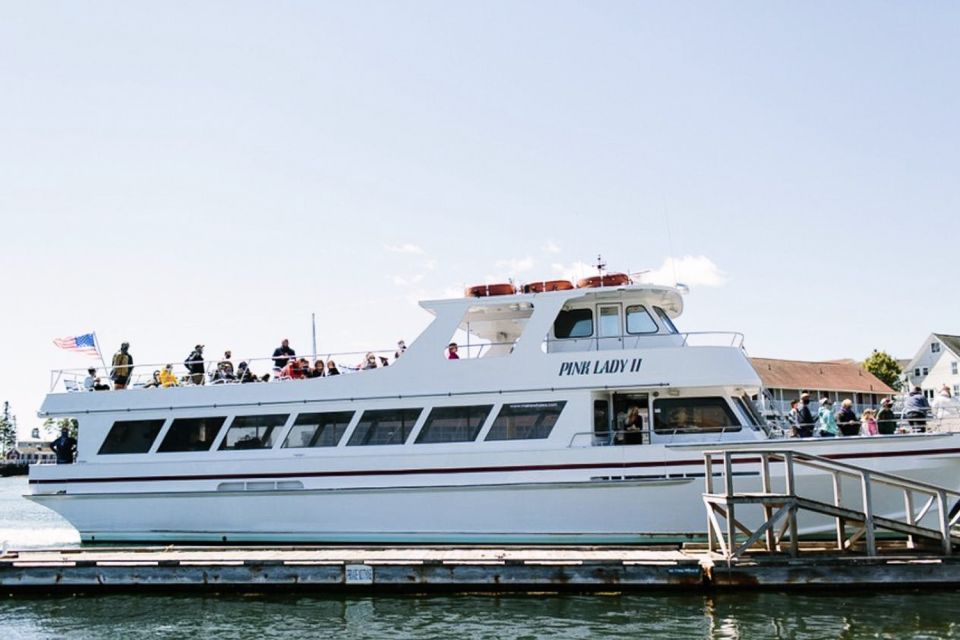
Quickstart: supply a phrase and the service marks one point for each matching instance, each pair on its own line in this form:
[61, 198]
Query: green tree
[8, 430]
[882, 365]
[52, 426]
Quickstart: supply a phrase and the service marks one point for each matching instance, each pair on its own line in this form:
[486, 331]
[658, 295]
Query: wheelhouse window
[318, 429]
[529, 421]
[389, 426]
[667, 322]
[574, 323]
[253, 432]
[640, 321]
[131, 436]
[453, 424]
[191, 434]
[693, 415]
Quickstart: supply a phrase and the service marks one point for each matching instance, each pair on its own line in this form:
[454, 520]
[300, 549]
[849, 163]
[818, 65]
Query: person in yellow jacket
[168, 378]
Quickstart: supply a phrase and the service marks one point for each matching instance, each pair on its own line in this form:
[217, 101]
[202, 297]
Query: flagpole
[96, 343]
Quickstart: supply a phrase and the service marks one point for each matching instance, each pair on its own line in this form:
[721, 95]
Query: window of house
[916, 372]
[667, 322]
[191, 434]
[453, 424]
[253, 432]
[953, 368]
[926, 370]
[935, 347]
[527, 421]
[956, 390]
[131, 436]
[384, 426]
[574, 323]
[693, 415]
[639, 320]
[318, 429]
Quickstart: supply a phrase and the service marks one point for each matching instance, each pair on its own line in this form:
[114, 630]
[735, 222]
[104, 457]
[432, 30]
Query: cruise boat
[522, 439]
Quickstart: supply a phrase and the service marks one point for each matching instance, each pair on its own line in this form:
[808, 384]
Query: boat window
[454, 424]
[667, 322]
[750, 415]
[693, 415]
[318, 429]
[639, 320]
[609, 323]
[191, 434]
[131, 436]
[384, 426]
[574, 323]
[253, 432]
[525, 421]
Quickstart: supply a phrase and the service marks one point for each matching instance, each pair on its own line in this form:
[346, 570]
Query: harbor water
[830, 614]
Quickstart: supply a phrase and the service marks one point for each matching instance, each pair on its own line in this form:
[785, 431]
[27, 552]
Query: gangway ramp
[929, 512]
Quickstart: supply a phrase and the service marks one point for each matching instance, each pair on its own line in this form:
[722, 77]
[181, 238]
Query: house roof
[952, 342]
[818, 376]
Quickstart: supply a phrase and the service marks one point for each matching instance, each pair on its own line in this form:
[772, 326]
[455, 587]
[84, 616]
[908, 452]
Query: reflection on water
[731, 615]
[746, 615]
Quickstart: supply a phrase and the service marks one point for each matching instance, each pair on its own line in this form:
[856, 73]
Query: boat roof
[667, 298]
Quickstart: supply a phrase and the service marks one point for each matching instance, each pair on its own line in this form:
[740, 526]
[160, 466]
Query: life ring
[606, 280]
[547, 285]
[484, 290]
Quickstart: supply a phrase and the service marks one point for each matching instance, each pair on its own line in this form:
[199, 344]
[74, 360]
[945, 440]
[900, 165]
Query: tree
[8, 431]
[52, 426]
[882, 365]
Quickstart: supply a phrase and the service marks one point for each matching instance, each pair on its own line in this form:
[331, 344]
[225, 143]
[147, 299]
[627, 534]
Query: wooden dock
[474, 569]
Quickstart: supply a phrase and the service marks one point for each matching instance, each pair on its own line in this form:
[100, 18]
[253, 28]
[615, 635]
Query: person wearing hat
[805, 418]
[65, 446]
[122, 367]
[828, 424]
[194, 364]
[90, 380]
[886, 418]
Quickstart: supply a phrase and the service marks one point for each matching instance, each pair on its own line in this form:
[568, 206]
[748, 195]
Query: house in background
[936, 364]
[784, 380]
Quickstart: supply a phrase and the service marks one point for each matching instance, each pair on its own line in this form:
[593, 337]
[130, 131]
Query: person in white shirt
[90, 380]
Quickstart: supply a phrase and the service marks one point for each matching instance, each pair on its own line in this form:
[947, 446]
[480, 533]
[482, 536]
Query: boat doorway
[621, 418]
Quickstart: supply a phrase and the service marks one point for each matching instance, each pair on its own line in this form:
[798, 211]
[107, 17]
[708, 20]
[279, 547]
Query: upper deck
[611, 337]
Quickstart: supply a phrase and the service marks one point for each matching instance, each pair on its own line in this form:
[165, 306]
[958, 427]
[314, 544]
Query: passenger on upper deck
[401, 347]
[244, 374]
[225, 366]
[292, 371]
[369, 362]
[281, 355]
[168, 378]
[452, 351]
[90, 380]
[332, 368]
[122, 367]
[194, 364]
[154, 381]
[317, 370]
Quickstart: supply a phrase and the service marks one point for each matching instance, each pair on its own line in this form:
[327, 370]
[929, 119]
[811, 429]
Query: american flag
[81, 344]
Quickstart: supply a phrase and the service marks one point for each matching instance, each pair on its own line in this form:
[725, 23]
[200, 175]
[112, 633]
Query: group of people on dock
[826, 423]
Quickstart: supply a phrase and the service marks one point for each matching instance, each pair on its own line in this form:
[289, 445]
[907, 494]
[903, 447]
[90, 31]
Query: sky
[215, 172]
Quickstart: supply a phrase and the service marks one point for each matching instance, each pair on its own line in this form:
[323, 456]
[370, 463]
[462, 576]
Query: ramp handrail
[788, 502]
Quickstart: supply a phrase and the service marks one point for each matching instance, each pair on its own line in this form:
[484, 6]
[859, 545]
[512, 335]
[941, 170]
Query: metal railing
[626, 341]
[347, 362]
[927, 507]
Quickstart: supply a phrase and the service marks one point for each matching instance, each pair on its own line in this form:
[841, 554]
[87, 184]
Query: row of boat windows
[526, 421]
[578, 323]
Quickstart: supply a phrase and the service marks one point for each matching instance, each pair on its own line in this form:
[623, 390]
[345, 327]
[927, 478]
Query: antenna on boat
[601, 265]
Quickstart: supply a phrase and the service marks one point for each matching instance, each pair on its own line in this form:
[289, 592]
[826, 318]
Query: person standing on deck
[886, 418]
[282, 354]
[915, 408]
[828, 423]
[194, 364]
[122, 367]
[65, 447]
[805, 418]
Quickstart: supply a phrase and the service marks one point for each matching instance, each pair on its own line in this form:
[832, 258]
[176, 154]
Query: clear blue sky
[179, 172]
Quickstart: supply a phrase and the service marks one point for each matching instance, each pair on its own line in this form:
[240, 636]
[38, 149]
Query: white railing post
[728, 490]
[908, 508]
[868, 513]
[837, 499]
[943, 508]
